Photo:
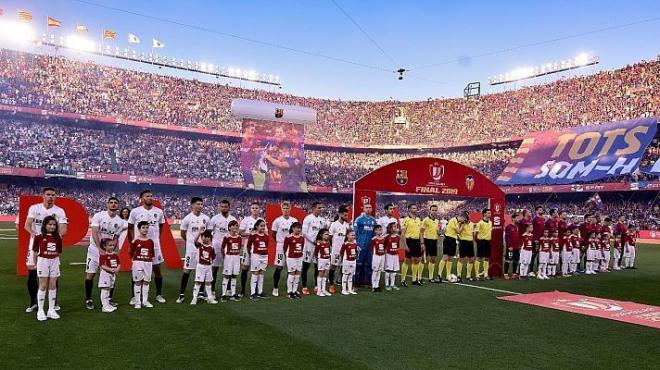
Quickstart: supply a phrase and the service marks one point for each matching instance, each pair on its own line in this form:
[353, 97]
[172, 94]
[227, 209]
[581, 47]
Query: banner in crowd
[273, 144]
[585, 153]
[630, 312]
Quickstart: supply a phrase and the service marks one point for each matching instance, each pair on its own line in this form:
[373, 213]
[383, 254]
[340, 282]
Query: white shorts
[308, 255]
[259, 262]
[92, 261]
[377, 263]
[217, 261]
[606, 256]
[294, 264]
[567, 256]
[335, 259]
[348, 267]
[593, 254]
[245, 258]
[31, 258]
[544, 257]
[203, 273]
[392, 262]
[525, 256]
[232, 265]
[554, 258]
[629, 251]
[576, 255]
[280, 259]
[106, 279]
[323, 264]
[48, 267]
[142, 270]
[190, 262]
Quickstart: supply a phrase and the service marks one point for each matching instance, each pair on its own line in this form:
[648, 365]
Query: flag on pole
[107, 34]
[157, 44]
[595, 199]
[24, 16]
[52, 22]
[133, 39]
[81, 27]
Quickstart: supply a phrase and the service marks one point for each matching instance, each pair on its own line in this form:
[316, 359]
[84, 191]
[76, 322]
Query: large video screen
[273, 155]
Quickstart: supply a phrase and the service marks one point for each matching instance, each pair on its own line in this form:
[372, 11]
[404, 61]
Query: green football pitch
[438, 326]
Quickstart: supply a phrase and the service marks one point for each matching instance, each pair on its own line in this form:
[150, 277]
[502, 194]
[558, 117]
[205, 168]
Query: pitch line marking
[486, 288]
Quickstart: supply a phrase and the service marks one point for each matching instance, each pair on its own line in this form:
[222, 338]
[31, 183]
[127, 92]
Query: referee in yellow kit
[482, 232]
[465, 247]
[410, 229]
[430, 233]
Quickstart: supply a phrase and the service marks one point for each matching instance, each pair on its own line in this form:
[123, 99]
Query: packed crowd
[56, 83]
[63, 148]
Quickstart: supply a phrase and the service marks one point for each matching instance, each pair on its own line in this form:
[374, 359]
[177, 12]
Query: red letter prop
[76, 229]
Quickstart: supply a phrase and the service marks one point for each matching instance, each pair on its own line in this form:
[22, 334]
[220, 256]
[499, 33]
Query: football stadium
[330, 184]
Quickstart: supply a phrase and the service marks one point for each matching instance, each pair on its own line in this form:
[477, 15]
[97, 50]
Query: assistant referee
[465, 247]
[410, 229]
[482, 232]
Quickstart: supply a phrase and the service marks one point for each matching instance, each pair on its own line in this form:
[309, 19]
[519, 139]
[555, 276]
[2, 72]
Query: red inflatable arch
[438, 177]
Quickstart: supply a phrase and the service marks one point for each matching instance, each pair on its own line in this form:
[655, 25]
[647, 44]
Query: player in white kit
[219, 226]
[105, 225]
[281, 228]
[245, 229]
[312, 224]
[192, 225]
[338, 230]
[388, 218]
[156, 219]
[35, 217]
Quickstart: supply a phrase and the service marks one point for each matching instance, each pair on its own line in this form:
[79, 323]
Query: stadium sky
[412, 34]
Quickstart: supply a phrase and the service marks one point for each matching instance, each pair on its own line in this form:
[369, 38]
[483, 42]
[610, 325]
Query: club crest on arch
[437, 171]
[401, 177]
[469, 182]
[279, 112]
[365, 200]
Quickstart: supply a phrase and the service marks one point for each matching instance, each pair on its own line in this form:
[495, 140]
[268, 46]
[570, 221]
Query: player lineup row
[340, 252]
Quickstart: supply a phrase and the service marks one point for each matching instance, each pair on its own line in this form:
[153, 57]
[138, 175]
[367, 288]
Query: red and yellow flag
[81, 27]
[52, 22]
[108, 34]
[24, 16]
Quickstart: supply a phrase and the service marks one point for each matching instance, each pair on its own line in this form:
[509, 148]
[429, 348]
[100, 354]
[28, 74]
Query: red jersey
[544, 241]
[552, 224]
[110, 260]
[258, 244]
[574, 242]
[205, 254]
[142, 250]
[585, 228]
[522, 227]
[512, 236]
[349, 251]
[392, 244]
[620, 234]
[606, 229]
[527, 242]
[231, 245]
[377, 246]
[562, 226]
[554, 244]
[322, 250]
[565, 243]
[593, 243]
[538, 224]
[293, 245]
[47, 246]
[605, 244]
[631, 237]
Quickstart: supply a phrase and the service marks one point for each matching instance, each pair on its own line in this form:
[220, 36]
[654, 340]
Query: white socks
[209, 292]
[233, 286]
[137, 290]
[260, 284]
[41, 297]
[105, 297]
[224, 286]
[289, 283]
[253, 283]
[375, 279]
[145, 293]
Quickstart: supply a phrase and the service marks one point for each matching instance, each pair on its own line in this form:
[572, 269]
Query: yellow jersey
[430, 227]
[452, 228]
[411, 227]
[466, 233]
[483, 229]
